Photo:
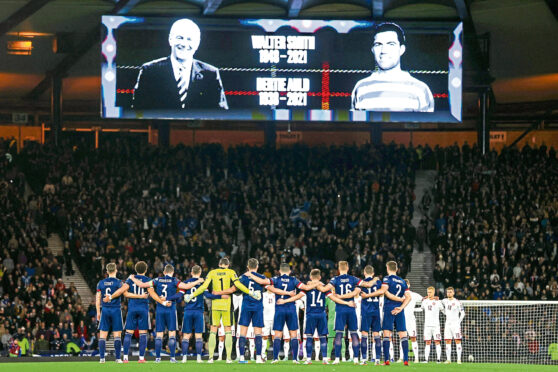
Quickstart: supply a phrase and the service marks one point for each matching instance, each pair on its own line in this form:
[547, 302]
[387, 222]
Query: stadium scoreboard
[276, 69]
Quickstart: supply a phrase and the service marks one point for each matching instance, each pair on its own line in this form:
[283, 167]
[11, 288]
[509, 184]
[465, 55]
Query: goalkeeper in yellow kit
[221, 279]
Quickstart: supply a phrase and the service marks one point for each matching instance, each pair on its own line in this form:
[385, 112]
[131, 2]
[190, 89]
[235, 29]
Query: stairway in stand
[56, 246]
[421, 275]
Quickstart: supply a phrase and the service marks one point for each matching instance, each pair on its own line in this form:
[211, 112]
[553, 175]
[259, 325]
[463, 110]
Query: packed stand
[494, 223]
[193, 205]
[37, 312]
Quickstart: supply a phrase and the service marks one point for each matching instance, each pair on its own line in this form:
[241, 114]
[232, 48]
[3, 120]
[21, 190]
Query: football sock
[126, 343]
[117, 347]
[102, 347]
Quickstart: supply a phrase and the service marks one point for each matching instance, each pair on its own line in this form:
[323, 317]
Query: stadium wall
[227, 138]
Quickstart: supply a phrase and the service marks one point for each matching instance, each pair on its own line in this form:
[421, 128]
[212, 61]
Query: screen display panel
[273, 69]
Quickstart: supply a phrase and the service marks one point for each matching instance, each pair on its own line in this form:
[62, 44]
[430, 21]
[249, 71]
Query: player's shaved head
[224, 262]
[391, 266]
[368, 270]
[285, 268]
[252, 264]
[343, 266]
[111, 268]
[141, 267]
[168, 270]
[315, 274]
[196, 270]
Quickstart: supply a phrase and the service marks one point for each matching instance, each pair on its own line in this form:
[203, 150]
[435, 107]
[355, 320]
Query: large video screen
[273, 69]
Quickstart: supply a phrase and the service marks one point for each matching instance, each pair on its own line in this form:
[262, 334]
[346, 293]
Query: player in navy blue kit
[251, 310]
[370, 316]
[193, 321]
[316, 316]
[345, 287]
[110, 316]
[285, 313]
[165, 316]
[396, 297]
[138, 310]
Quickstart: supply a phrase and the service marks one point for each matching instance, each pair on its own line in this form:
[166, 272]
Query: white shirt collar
[185, 67]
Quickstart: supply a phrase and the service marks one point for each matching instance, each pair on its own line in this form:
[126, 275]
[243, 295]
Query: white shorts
[411, 327]
[452, 331]
[267, 328]
[287, 333]
[221, 331]
[432, 333]
[250, 332]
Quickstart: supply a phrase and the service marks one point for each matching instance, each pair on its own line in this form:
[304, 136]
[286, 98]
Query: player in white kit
[268, 299]
[454, 312]
[411, 323]
[432, 307]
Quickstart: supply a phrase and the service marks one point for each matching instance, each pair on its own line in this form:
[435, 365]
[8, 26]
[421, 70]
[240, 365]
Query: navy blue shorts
[282, 317]
[370, 320]
[111, 319]
[346, 318]
[316, 322]
[137, 318]
[390, 320]
[165, 320]
[193, 322]
[254, 316]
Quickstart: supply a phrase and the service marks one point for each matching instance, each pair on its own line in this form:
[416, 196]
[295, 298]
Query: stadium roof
[523, 35]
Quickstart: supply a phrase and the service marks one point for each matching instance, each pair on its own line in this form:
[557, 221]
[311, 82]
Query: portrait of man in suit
[179, 81]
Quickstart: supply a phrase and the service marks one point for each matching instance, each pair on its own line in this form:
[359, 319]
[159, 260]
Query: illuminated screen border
[109, 109]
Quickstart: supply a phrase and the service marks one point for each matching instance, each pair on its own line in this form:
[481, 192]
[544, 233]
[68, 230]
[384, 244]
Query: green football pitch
[235, 367]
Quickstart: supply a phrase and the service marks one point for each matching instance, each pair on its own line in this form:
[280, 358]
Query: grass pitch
[165, 366]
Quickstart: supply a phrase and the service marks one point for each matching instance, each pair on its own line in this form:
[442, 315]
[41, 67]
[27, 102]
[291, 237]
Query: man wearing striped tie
[389, 88]
[179, 81]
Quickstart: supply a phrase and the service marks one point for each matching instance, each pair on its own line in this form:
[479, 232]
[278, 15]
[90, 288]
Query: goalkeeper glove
[256, 295]
[187, 298]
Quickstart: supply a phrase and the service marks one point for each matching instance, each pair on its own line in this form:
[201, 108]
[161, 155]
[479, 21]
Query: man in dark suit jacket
[179, 82]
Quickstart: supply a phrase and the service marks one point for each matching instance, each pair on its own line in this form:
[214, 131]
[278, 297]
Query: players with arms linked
[165, 315]
[138, 310]
[110, 315]
[193, 321]
[316, 316]
[370, 316]
[284, 313]
[251, 309]
[346, 287]
[221, 280]
[396, 297]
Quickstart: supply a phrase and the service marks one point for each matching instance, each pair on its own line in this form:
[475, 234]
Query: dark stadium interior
[476, 201]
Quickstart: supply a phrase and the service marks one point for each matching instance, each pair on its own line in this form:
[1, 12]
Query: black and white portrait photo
[179, 81]
[389, 88]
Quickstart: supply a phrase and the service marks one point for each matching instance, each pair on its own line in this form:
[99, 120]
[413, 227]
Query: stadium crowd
[37, 311]
[186, 206]
[494, 220]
